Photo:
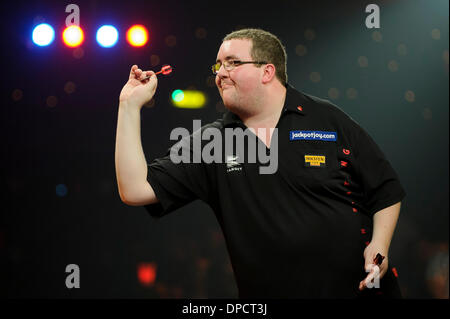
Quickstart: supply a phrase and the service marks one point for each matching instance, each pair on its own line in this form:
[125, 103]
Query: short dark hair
[265, 47]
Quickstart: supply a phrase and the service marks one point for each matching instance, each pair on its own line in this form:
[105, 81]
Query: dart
[378, 259]
[167, 69]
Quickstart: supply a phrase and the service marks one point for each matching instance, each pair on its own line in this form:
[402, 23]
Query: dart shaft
[147, 77]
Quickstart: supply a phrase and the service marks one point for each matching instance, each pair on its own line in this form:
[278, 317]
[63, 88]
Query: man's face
[238, 87]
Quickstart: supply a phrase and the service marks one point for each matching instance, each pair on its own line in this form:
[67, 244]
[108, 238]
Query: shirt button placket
[347, 183]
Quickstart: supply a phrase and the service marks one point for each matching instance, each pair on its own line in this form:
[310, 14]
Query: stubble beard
[240, 106]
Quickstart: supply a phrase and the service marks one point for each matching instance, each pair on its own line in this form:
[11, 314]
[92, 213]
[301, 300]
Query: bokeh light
[52, 101]
[363, 62]
[436, 34]
[189, 99]
[410, 96]
[61, 190]
[43, 34]
[177, 95]
[69, 87]
[146, 273]
[352, 93]
[73, 36]
[200, 33]
[107, 36]
[310, 34]
[333, 93]
[377, 36]
[301, 50]
[171, 41]
[17, 95]
[393, 66]
[137, 35]
[315, 77]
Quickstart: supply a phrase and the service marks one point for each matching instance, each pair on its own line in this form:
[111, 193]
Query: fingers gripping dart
[165, 70]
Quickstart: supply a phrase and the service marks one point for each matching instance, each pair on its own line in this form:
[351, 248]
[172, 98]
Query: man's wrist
[129, 106]
[381, 244]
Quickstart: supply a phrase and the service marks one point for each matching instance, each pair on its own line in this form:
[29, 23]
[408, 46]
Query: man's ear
[268, 73]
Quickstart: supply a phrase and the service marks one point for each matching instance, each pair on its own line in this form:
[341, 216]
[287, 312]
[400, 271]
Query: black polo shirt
[300, 232]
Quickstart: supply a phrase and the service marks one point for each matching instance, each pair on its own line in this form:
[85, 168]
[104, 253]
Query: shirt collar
[295, 102]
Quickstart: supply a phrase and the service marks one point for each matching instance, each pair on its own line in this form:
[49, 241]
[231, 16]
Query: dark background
[59, 113]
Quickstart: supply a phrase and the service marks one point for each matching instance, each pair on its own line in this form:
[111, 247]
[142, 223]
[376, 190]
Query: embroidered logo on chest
[315, 160]
[313, 136]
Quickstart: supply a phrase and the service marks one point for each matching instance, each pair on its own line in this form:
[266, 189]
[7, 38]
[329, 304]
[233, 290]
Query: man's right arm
[131, 166]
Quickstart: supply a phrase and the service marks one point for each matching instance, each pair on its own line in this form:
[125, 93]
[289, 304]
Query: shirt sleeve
[380, 183]
[176, 184]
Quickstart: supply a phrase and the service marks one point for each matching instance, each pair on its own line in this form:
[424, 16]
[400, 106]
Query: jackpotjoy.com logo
[233, 146]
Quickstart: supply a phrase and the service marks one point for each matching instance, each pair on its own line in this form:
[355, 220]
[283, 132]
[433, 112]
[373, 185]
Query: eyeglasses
[231, 64]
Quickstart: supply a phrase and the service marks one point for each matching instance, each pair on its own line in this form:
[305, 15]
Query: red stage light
[146, 273]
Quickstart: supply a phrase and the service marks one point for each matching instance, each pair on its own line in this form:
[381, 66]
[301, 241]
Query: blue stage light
[107, 36]
[43, 34]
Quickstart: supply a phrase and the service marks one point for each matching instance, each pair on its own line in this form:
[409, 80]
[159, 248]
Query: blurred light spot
[402, 50]
[427, 115]
[150, 103]
[410, 96]
[301, 50]
[177, 292]
[61, 190]
[52, 101]
[171, 41]
[154, 60]
[352, 93]
[146, 273]
[445, 56]
[202, 264]
[200, 33]
[315, 77]
[189, 99]
[43, 34]
[177, 95]
[377, 36]
[211, 81]
[107, 36]
[310, 34]
[436, 34]
[437, 274]
[69, 87]
[137, 35]
[78, 53]
[73, 36]
[393, 66]
[363, 61]
[17, 95]
[220, 107]
[162, 290]
[333, 93]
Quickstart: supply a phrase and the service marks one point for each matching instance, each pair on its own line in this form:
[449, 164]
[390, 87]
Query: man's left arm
[384, 223]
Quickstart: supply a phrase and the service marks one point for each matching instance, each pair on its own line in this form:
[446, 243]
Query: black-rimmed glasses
[231, 64]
